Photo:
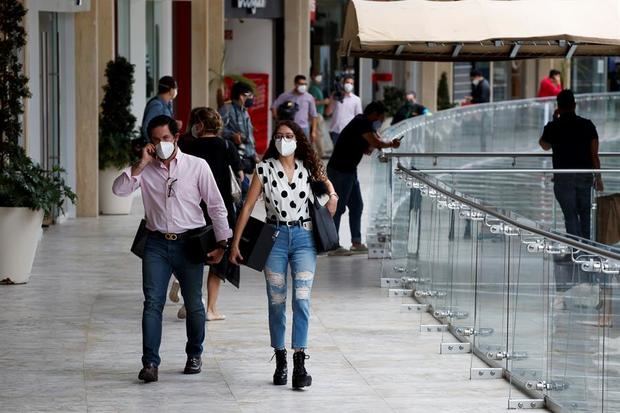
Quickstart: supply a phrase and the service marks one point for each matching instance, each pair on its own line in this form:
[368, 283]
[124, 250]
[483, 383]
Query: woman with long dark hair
[284, 178]
[206, 124]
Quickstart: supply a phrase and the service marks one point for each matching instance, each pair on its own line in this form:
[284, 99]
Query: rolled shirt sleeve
[125, 184]
[227, 131]
[214, 202]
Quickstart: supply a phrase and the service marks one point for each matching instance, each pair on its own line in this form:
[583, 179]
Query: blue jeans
[349, 193]
[573, 192]
[294, 246]
[161, 259]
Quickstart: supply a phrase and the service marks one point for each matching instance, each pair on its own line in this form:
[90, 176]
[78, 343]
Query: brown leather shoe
[193, 365]
[148, 373]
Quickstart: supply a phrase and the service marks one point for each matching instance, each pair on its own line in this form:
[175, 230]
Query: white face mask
[348, 87]
[165, 150]
[286, 147]
[475, 82]
[318, 79]
[174, 94]
[302, 88]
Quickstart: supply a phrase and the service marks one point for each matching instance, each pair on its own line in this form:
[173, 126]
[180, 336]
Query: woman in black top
[221, 156]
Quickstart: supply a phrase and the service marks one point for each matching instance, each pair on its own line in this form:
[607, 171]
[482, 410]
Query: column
[137, 54]
[200, 53]
[87, 112]
[216, 49]
[296, 40]
[428, 91]
[163, 17]
[365, 81]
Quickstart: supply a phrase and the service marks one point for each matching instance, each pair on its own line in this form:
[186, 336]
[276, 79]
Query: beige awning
[481, 29]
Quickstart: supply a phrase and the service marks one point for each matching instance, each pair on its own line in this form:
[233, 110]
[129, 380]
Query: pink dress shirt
[174, 206]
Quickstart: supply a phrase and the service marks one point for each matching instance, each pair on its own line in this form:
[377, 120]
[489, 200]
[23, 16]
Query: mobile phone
[400, 138]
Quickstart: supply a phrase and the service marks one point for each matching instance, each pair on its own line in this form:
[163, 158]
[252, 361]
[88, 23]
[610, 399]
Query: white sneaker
[174, 291]
[359, 249]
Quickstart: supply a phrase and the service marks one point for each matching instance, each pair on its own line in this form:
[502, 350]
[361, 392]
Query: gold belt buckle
[170, 237]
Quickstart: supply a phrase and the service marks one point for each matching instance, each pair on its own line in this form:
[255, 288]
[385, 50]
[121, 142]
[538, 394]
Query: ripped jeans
[294, 246]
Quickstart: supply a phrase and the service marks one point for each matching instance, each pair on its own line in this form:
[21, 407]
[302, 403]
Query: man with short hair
[239, 130]
[167, 90]
[359, 137]
[410, 109]
[307, 116]
[551, 85]
[343, 107]
[480, 88]
[320, 101]
[173, 184]
[574, 142]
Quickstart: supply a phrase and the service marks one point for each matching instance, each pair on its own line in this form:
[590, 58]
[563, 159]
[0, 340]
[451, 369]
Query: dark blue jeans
[349, 193]
[161, 259]
[574, 194]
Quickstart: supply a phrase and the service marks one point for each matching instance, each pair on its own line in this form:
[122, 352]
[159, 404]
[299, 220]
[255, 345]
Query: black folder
[256, 243]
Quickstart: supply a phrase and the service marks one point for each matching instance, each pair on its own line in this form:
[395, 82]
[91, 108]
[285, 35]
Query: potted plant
[116, 129]
[27, 191]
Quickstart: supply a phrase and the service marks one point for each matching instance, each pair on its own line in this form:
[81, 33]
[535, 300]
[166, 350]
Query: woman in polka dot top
[283, 177]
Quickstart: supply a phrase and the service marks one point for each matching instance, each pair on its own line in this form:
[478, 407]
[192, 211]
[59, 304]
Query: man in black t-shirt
[574, 142]
[359, 137]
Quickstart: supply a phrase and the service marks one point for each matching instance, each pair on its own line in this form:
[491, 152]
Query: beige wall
[87, 112]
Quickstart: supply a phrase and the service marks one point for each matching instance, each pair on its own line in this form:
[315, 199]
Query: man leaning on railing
[574, 142]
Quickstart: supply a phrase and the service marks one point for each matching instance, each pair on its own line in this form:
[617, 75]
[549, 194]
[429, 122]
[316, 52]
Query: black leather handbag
[256, 243]
[139, 241]
[323, 227]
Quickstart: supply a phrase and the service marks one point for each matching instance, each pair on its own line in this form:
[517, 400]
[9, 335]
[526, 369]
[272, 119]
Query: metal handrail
[534, 230]
[480, 154]
[516, 170]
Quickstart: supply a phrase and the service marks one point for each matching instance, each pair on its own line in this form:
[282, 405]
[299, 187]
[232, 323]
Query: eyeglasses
[279, 137]
[170, 186]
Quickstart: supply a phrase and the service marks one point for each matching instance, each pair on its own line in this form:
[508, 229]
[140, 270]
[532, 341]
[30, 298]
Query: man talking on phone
[173, 184]
[359, 137]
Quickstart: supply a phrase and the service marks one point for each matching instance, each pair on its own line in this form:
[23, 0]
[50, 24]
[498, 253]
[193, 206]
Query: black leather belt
[297, 223]
[175, 237]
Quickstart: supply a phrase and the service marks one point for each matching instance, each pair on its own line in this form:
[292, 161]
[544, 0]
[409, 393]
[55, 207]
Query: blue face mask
[377, 125]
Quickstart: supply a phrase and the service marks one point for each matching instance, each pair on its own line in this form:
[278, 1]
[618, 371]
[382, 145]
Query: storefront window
[589, 75]
[326, 32]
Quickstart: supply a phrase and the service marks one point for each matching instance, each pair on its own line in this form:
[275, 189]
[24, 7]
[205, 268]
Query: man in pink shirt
[552, 85]
[173, 184]
[343, 108]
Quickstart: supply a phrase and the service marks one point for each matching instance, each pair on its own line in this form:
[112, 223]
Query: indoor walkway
[71, 341]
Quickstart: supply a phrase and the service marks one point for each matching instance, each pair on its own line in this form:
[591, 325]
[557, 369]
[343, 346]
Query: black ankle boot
[281, 373]
[301, 378]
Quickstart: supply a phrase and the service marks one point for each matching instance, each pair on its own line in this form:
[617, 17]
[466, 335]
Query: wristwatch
[221, 246]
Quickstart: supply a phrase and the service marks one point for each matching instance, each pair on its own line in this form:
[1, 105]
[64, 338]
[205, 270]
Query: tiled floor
[70, 341]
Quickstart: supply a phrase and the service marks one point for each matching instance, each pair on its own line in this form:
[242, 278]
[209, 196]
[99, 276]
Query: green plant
[116, 122]
[393, 99]
[443, 93]
[23, 183]
[13, 84]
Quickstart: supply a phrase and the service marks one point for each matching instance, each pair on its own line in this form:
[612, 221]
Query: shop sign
[251, 4]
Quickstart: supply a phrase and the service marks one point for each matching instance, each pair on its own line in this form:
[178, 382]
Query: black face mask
[249, 103]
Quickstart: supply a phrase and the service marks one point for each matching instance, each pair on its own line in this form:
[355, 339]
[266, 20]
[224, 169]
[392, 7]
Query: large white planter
[20, 231]
[109, 203]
